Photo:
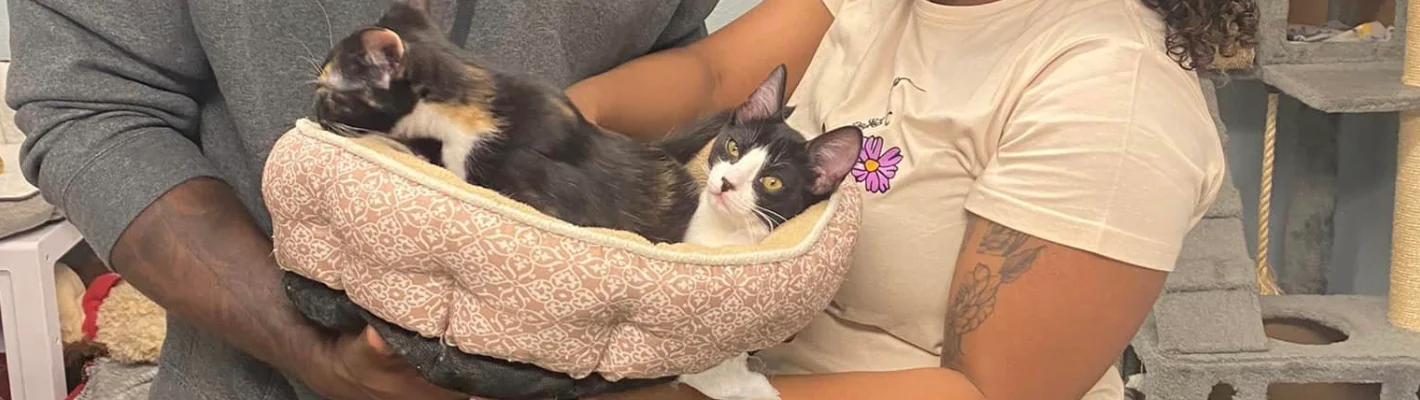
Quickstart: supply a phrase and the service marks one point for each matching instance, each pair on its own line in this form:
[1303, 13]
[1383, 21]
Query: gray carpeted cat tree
[1222, 328]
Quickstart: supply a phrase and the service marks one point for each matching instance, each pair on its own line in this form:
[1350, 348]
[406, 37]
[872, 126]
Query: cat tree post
[1405, 235]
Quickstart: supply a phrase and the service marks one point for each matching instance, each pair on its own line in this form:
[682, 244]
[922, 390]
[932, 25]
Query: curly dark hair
[1199, 30]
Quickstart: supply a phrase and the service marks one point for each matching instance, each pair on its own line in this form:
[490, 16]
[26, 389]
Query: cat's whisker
[310, 57]
[731, 204]
[315, 67]
[749, 220]
[744, 205]
[345, 130]
[765, 222]
[314, 72]
[763, 218]
[750, 209]
[329, 33]
[775, 214]
[770, 222]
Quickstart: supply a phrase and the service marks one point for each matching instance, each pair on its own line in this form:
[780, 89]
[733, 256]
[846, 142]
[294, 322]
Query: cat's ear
[766, 101]
[384, 54]
[832, 155]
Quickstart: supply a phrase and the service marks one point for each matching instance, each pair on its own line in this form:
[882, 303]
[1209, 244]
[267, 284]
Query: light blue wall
[727, 10]
[4, 31]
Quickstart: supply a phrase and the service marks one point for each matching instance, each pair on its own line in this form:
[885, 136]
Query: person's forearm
[649, 96]
[196, 252]
[916, 384]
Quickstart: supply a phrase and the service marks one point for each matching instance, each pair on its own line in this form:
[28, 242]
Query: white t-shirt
[1066, 120]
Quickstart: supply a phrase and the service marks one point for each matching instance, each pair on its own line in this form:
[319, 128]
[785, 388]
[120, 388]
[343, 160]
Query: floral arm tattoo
[1010, 253]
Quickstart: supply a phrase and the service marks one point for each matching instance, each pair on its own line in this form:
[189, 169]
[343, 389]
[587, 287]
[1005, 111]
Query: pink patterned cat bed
[416, 246]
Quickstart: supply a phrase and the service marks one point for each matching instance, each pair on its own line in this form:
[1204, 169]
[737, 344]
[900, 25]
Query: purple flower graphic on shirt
[876, 167]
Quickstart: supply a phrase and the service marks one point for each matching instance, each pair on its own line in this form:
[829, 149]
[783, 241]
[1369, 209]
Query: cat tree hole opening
[1222, 391]
[1301, 331]
[1315, 21]
[1326, 391]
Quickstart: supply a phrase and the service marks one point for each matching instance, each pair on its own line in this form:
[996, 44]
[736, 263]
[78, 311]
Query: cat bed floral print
[416, 246]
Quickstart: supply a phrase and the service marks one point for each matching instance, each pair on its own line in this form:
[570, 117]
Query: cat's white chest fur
[711, 228]
[459, 134]
[732, 380]
[727, 218]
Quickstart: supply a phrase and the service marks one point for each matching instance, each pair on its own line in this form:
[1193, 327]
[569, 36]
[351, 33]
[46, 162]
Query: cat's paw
[732, 380]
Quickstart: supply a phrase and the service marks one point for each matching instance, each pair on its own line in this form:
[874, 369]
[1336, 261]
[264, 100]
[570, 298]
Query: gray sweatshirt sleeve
[687, 25]
[105, 93]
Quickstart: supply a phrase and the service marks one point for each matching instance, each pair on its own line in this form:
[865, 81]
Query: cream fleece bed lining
[789, 240]
[387, 228]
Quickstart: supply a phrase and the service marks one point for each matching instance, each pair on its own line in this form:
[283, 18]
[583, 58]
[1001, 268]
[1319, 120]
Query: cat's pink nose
[725, 185]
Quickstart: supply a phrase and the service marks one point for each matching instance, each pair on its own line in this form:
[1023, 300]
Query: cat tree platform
[1367, 349]
[1345, 87]
[1335, 77]
[1211, 335]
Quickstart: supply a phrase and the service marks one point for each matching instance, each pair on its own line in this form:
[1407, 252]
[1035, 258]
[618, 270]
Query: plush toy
[125, 322]
[113, 326]
[69, 294]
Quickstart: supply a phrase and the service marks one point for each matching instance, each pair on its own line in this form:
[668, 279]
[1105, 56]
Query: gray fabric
[1230, 318]
[13, 186]
[122, 100]
[1375, 351]
[112, 380]
[23, 215]
[1345, 87]
[1215, 257]
[198, 366]
[1229, 201]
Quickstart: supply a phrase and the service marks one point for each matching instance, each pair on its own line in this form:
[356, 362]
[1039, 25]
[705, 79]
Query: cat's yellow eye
[771, 184]
[732, 148]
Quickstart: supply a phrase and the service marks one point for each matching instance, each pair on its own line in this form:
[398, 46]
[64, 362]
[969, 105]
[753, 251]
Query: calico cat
[402, 80]
[513, 134]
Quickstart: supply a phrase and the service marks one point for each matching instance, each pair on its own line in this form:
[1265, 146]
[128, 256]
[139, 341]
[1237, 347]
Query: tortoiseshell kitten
[513, 134]
[402, 79]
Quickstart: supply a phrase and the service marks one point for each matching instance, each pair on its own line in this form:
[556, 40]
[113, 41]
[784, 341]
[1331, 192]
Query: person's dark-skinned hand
[197, 252]
[438, 363]
[362, 366]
